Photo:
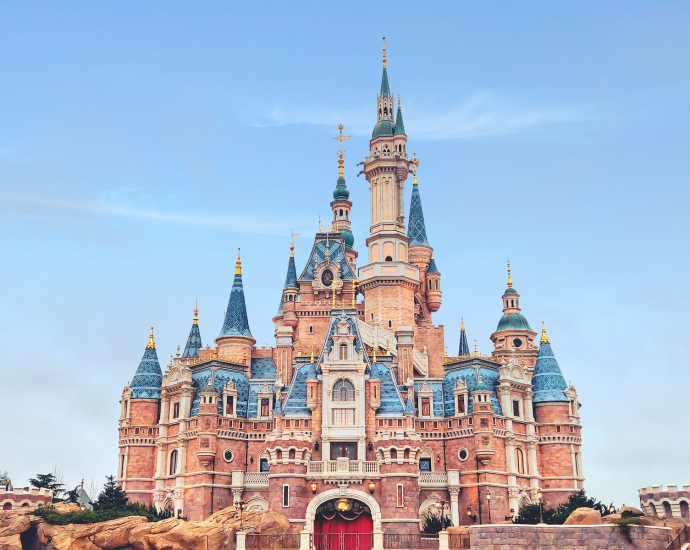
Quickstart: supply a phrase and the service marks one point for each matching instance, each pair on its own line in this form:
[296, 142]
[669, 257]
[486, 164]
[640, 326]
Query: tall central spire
[385, 88]
[416, 229]
[236, 322]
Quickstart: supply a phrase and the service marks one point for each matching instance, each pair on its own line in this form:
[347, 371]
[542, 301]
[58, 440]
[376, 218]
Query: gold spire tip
[398, 101]
[510, 281]
[238, 267]
[384, 52]
[462, 323]
[196, 312]
[151, 344]
[544, 337]
[476, 353]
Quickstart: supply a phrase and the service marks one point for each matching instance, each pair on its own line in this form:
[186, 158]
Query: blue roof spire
[399, 125]
[547, 381]
[236, 322]
[194, 341]
[291, 277]
[464, 348]
[147, 381]
[416, 230]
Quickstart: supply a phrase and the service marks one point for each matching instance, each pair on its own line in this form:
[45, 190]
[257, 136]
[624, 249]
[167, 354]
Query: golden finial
[510, 281]
[462, 323]
[196, 312]
[292, 241]
[544, 337]
[388, 349]
[341, 155]
[312, 353]
[398, 102]
[476, 353]
[238, 267]
[415, 163]
[333, 297]
[151, 344]
[446, 350]
[384, 52]
[299, 347]
[374, 350]
[354, 292]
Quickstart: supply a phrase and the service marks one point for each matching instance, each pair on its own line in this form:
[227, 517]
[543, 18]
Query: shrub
[432, 522]
[53, 517]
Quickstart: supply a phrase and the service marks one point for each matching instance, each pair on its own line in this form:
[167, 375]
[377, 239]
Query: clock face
[327, 278]
[517, 343]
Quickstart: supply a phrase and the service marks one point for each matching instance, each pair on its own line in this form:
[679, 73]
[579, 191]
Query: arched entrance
[343, 524]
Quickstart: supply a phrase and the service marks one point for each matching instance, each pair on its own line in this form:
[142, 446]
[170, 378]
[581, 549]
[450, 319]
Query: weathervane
[341, 155]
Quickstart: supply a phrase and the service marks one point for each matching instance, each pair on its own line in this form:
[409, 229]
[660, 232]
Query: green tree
[529, 514]
[575, 501]
[112, 497]
[432, 522]
[48, 481]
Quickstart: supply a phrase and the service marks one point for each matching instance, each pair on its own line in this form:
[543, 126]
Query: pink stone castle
[357, 409]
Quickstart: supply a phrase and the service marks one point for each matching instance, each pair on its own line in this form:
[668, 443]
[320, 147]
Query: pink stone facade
[363, 402]
[19, 498]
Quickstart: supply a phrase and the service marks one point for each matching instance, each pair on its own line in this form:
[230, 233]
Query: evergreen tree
[48, 481]
[112, 497]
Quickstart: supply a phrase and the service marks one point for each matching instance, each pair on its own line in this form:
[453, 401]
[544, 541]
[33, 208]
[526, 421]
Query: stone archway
[343, 492]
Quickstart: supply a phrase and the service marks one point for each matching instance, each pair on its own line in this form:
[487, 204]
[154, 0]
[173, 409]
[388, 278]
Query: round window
[327, 278]
[517, 342]
[228, 455]
[463, 454]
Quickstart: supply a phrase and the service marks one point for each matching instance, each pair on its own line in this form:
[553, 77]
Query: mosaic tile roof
[200, 381]
[193, 342]
[513, 321]
[318, 254]
[409, 409]
[263, 368]
[432, 266]
[296, 402]
[547, 381]
[391, 401]
[291, 277]
[464, 348]
[437, 391]
[280, 306]
[385, 88]
[416, 230]
[253, 404]
[351, 318]
[148, 378]
[236, 322]
[469, 376]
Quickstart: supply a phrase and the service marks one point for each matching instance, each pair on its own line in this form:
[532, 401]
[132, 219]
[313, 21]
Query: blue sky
[142, 143]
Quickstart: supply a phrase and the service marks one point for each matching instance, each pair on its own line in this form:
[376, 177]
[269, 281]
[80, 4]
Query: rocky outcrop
[136, 533]
[584, 516]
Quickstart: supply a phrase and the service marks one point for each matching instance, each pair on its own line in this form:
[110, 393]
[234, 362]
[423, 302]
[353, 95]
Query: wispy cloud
[481, 115]
[46, 208]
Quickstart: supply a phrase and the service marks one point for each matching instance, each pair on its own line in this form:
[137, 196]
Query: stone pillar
[378, 540]
[454, 509]
[304, 540]
[532, 468]
[241, 540]
[443, 540]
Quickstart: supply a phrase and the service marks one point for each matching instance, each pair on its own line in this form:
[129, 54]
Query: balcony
[342, 469]
[256, 480]
[430, 480]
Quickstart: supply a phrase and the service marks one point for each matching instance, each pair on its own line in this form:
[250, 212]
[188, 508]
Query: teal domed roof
[341, 191]
[513, 321]
[383, 128]
[348, 238]
[510, 290]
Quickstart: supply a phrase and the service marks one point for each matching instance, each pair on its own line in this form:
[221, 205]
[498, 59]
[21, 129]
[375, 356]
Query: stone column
[532, 468]
[378, 539]
[241, 540]
[304, 540]
[454, 508]
[443, 540]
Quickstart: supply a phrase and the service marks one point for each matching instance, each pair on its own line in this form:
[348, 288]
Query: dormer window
[343, 352]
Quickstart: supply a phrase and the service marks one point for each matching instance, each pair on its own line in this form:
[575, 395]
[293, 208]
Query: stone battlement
[26, 491]
[673, 502]
[659, 489]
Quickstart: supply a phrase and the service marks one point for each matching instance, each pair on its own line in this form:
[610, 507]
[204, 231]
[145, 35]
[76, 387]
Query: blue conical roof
[464, 348]
[409, 409]
[385, 88]
[291, 277]
[278, 409]
[399, 125]
[548, 382]
[416, 230]
[193, 342]
[147, 381]
[432, 266]
[236, 322]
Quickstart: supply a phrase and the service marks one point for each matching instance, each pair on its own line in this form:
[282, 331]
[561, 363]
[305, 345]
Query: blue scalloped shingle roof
[236, 322]
[464, 349]
[253, 404]
[193, 342]
[296, 402]
[264, 368]
[291, 277]
[489, 378]
[354, 329]
[148, 378]
[416, 229]
[547, 381]
[200, 381]
[390, 397]
[319, 254]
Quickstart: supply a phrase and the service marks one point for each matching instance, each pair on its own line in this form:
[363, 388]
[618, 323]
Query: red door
[343, 534]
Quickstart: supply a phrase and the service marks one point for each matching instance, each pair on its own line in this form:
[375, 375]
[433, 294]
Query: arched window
[389, 259]
[343, 352]
[437, 284]
[311, 329]
[385, 111]
[429, 284]
[291, 454]
[394, 454]
[519, 461]
[173, 463]
[279, 454]
[343, 390]
[667, 510]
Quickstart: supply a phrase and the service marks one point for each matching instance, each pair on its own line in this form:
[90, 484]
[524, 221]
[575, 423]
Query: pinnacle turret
[416, 230]
[194, 340]
[399, 125]
[464, 350]
[547, 381]
[236, 322]
[148, 378]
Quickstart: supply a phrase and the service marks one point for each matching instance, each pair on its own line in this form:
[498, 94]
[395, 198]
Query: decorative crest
[354, 292]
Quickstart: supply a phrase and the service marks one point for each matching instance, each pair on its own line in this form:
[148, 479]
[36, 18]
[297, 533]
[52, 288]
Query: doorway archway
[343, 492]
[343, 524]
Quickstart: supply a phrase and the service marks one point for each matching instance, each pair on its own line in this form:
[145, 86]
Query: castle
[357, 412]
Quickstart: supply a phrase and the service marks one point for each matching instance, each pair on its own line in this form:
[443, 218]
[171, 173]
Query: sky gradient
[142, 143]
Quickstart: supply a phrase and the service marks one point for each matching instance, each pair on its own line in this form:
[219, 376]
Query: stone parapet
[672, 502]
[580, 537]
